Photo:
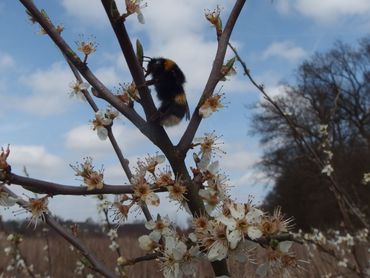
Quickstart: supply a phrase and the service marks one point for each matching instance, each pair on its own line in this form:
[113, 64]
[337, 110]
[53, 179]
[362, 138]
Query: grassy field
[63, 260]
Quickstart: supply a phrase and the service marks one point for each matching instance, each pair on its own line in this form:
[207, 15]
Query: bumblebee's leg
[155, 117]
[147, 83]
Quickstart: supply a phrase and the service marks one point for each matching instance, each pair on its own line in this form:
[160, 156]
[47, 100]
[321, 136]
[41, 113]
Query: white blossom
[328, 170]
[76, 89]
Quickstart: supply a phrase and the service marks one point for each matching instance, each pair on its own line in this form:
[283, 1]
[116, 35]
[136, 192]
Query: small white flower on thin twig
[92, 178]
[87, 47]
[209, 145]
[103, 119]
[76, 89]
[38, 207]
[366, 178]
[159, 227]
[211, 105]
[135, 6]
[143, 192]
[328, 170]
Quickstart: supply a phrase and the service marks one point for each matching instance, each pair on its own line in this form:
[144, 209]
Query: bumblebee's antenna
[147, 58]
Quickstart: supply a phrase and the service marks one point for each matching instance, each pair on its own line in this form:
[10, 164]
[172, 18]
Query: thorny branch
[53, 189]
[95, 263]
[214, 76]
[132, 62]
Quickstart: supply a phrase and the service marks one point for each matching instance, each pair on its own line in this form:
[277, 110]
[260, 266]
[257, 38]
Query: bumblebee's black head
[158, 66]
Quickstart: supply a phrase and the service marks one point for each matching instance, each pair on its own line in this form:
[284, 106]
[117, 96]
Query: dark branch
[51, 188]
[130, 56]
[214, 76]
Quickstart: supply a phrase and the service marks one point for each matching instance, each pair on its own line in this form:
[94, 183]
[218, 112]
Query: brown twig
[41, 186]
[128, 52]
[148, 257]
[214, 76]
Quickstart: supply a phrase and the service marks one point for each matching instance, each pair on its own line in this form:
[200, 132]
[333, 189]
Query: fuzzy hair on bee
[168, 81]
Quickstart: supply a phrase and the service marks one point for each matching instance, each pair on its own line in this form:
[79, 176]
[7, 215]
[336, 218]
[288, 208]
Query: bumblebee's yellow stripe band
[168, 64]
[180, 99]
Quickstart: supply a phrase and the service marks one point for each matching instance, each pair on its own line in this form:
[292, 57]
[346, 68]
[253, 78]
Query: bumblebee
[168, 81]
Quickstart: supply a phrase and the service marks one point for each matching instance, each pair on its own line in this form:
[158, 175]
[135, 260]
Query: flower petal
[254, 216]
[102, 132]
[254, 232]
[218, 251]
[284, 246]
[234, 237]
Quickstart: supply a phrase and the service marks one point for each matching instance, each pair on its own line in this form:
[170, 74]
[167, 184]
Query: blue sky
[47, 130]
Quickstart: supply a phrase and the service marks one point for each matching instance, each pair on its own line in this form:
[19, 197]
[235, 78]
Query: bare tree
[331, 93]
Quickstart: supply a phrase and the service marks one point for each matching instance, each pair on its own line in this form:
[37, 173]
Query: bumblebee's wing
[178, 75]
[187, 113]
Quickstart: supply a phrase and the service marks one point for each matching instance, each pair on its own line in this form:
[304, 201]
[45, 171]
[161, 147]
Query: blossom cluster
[366, 178]
[336, 243]
[103, 119]
[145, 181]
[128, 93]
[211, 105]
[328, 155]
[226, 228]
[92, 178]
[177, 254]
[17, 264]
[226, 233]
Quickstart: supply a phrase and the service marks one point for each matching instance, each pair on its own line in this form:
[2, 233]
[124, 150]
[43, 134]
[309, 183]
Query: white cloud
[37, 160]
[109, 76]
[86, 10]
[328, 11]
[278, 90]
[284, 49]
[6, 61]
[114, 174]
[84, 140]
[167, 19]
[176, 30]
[251, 183]
[283, 6]
[239, 159]
[47, 91]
